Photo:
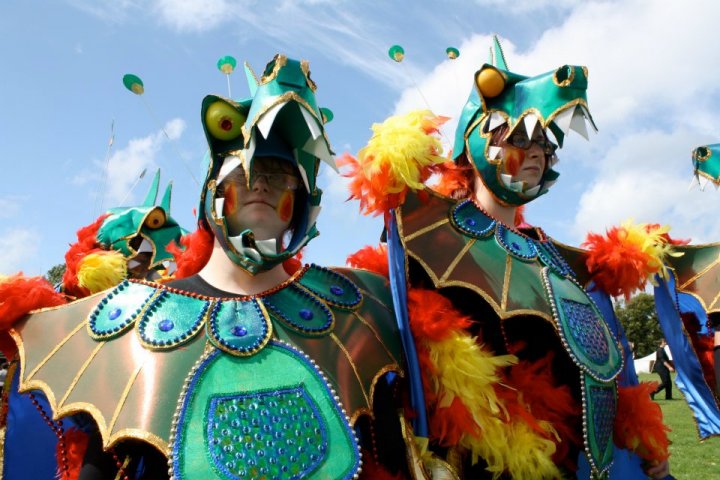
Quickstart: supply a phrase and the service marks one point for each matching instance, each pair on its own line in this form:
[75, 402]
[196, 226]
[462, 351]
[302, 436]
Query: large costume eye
[155, 219]
[223, 121]
[490, 82]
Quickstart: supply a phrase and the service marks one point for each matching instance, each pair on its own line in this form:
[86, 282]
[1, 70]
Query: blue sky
[654, 93]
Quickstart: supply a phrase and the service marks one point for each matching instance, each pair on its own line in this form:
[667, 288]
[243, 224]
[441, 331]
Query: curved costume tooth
[311, 123]
[517, 186]
[230, 163]
[145, 246]
[170, 266]
[562, 120]
[219, 204]
[313, 214]
[495, 121]
[554, 160]
[318, 147]
[506, 179]
[578, 123]
[267, 120]
[493, 152]
[268, 247]
[533, 191]
[589, 118]
[703, 181]
[251, 253]
[303, 174]
[530, 121]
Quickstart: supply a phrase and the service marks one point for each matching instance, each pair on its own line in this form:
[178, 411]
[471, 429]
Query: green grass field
[690, 459]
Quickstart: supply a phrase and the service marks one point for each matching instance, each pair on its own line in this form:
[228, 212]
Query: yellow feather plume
[467, 371]
[653, 241]
[401, 147]
[102, 270]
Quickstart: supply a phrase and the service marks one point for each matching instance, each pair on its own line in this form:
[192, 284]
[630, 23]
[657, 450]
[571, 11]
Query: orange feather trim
[639, 423]
[432, 316]
[372, 193]
[453, 178]
[191, 259]
[76, 442]
[449, 424]
[20, 295]
[371, 258]
[627, 257]
[547, 401]
[86, 244]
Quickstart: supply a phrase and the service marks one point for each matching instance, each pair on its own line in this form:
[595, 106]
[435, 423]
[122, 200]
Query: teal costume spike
[151, 196]
[167, 197]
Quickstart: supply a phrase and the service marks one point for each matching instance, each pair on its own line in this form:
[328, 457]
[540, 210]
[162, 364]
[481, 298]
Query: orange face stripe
[514, 158]
[285, 205]
[231, 200]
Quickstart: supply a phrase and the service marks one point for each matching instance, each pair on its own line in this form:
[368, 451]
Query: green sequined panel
[119, 309]
[600, 407]
[269, 415]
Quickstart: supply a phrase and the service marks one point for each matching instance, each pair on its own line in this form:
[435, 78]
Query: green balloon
[452, 53]
[133, 83]
[227, 64]
[396, 53]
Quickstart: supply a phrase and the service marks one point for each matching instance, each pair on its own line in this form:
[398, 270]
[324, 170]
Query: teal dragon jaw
[142, 233]
[282, 104]
[706, 164]
[556, 101]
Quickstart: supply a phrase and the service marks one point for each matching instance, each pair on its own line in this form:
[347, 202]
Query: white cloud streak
[17, 246]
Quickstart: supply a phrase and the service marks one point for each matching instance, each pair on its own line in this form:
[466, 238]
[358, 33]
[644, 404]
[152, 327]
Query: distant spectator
[663, 367]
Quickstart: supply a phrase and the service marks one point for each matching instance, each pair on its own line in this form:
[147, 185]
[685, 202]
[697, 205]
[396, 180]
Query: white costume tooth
[313, 214]
[311, 123]
[589, 118]
[562, 120]
[533, 191]
[578, 123]
[495, 121]
[230, 163]
[170, 266]
[493, 152]
[530, 121]
[304, 176]
[248, 252]
[506, 179]
[145, 246]
[549, 184]
[517, 186]
[703, 182]
[554, 160]
[268, 247]
[133, 264]
[319, 148]
[219, 205]
[267, 120]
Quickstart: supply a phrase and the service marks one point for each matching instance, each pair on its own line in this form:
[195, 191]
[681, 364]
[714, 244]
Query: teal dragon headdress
[282, 105]
[554, 100]
[706, 163]
[147, 228]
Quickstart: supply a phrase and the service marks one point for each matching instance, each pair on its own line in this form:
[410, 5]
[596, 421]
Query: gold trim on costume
[506, 282]
[426, 229]
[280, 61]
[377, 336]
[79, 373]
[456, 260]
[700, 273]
[124, 395]
[49, 355]
[378, 375]
[352, 364]
[305, 67]
[372, 297]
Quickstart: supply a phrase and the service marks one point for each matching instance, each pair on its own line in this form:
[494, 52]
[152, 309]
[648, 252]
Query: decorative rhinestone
[239, 331]
[306, 314]
[115, 314]
[336, 290]
[515, 245]
[470, 222]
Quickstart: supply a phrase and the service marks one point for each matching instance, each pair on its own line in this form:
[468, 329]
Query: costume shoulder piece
[246, 374]
[458, 245]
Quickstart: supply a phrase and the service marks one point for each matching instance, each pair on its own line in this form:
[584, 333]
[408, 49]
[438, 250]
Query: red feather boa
[371, 258]
[20, 295]
[194, 256]
[76, 442]
[639, 423]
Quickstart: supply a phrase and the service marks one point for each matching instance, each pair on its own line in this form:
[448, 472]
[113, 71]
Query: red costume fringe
[454, 178]
[371, 258]
[86, 244]
[549, 402]
[432, 316]
[639, 423]
[76, 442]
[194, 256]
[20, 295]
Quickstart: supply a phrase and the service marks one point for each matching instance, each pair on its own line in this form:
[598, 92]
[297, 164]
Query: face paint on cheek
[284, 206]
[231, 204]
[514, 158]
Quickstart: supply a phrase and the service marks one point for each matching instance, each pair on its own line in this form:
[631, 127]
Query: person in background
[663, 366]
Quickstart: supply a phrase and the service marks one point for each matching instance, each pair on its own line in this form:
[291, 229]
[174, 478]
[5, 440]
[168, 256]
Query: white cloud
[125, 165]
[198, 15]
[17, 245]
[9, 206]
[526, 6]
